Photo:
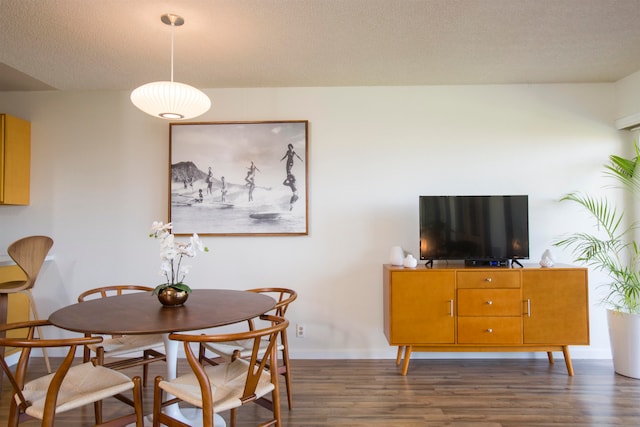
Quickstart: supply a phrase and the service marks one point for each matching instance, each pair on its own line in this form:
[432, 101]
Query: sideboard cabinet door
[421, 307]
[556, 306]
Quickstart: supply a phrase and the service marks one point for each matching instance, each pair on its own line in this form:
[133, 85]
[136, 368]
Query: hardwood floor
[455, 393]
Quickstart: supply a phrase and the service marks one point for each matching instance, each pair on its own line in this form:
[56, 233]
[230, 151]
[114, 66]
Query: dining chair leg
[145, 369]
[275, 399]
[287, 382]
[157, 402]
[137, 401]
[97, 410]
[13, 414]
[232, 417]
[275, 393]
[286, 371]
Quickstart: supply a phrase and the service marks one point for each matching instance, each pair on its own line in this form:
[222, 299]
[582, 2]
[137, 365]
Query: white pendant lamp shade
[170, 100]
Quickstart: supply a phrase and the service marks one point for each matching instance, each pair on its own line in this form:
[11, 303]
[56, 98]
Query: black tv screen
[474, 227]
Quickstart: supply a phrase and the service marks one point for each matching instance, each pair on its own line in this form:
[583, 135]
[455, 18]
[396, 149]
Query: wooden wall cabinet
[458, 309]
[15, 160]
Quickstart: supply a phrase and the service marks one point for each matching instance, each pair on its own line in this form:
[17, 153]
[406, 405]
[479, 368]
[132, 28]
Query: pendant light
[168, 99]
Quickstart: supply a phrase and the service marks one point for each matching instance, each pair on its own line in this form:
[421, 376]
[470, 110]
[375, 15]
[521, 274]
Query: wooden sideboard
[471, 309]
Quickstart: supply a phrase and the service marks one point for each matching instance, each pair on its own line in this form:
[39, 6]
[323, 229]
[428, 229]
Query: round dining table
[142, 313]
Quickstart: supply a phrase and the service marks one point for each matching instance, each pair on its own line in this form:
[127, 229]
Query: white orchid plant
[171, 254]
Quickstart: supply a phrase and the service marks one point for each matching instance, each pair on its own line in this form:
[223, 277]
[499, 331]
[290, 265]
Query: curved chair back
[29, 254]
[119, 346]
[234, 383]
[228, 350]
[283, 297]
[110, 291]
[69, 387]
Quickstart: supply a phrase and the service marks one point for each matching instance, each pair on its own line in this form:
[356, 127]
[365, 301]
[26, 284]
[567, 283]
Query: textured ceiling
[121, 44]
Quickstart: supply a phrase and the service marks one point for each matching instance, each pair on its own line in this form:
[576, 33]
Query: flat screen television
[481, 230]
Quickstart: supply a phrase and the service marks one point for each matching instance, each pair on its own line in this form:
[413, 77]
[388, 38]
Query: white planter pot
[624, 335]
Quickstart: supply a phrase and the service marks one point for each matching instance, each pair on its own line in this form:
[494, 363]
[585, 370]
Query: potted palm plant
[613, 249]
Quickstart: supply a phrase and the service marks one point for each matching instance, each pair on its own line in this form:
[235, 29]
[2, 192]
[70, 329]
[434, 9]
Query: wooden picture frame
[239, 178]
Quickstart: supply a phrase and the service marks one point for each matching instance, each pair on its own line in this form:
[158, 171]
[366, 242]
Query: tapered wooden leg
[567, 360]
[145, 368]
[407, 357]
[399, 355]
[550, 356]
[232, 417]
[157, 402]
[137, 401]
[97, 411]
[34, 310]
[287, 371]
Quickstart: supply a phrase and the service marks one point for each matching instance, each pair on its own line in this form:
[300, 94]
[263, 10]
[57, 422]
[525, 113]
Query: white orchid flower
[169, 253]
[197, 243]
[172, 251]
[158, 229]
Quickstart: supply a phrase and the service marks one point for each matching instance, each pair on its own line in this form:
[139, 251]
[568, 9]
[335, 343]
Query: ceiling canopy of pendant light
[168, 99]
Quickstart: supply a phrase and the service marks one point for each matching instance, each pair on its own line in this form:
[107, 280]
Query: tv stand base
[491, 262]
[486, 263]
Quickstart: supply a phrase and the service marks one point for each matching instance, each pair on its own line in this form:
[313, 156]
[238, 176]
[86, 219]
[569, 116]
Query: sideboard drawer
[489, 330]
[488, 279]
[489, 302]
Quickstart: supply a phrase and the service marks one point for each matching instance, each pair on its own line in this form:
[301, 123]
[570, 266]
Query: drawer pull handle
[450, 308]
[490, 330]
[489, 302]
[488, 279]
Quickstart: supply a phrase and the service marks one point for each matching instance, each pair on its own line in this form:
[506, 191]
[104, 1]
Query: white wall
[99, 178]
[628, 103]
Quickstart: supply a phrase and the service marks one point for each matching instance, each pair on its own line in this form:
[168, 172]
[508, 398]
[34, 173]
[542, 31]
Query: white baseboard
[577, 352]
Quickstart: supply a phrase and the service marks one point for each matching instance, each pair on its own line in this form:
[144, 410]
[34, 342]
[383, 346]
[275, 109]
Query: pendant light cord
[173, 26]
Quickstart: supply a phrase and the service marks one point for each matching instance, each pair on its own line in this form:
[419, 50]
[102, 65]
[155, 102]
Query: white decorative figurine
[410, 261]
[547, 259]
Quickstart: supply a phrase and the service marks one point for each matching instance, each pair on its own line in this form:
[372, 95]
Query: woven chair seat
[82, 385]
[227, 384]
[117, 346]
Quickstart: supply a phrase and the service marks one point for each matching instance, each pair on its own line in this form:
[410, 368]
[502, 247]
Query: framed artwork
[239, 178]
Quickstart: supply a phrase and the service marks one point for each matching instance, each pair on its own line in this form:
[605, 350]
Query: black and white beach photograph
[239, 178]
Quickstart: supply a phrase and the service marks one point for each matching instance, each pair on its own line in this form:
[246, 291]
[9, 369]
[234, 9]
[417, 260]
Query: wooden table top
[142, 313]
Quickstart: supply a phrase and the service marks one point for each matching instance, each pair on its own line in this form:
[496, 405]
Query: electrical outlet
[300, 330]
